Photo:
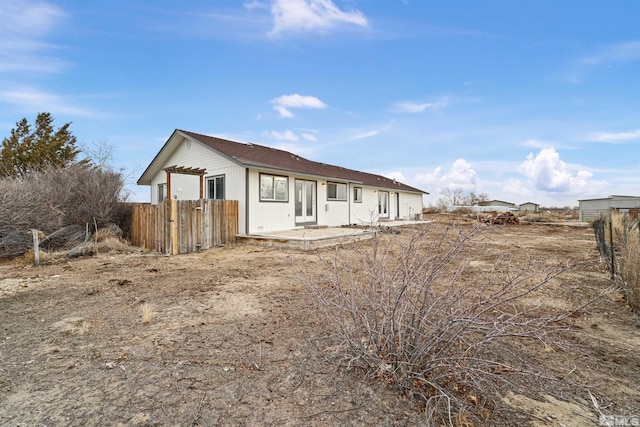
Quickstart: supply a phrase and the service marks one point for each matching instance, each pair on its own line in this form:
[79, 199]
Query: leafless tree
[452, 196]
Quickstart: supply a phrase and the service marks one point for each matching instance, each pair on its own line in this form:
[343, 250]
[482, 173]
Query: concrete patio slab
[317, 237]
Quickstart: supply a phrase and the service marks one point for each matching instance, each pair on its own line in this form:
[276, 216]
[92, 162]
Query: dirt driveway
[234, 339]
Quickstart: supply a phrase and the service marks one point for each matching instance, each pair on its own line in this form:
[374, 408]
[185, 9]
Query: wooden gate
[183, 226]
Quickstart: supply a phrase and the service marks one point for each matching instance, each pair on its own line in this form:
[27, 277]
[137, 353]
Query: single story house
[529, 207]
[591, 209]
[275, 189]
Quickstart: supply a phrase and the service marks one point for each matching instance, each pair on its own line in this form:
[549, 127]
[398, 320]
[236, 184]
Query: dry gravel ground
[234, 339]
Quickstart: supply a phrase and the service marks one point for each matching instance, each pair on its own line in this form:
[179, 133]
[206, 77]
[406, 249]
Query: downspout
[350, 199]
[246, 202]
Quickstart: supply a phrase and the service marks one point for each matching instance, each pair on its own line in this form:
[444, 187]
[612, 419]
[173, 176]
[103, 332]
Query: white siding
[269, 216]
[333, 213]
[410, 206]
[187, 187]
[367, 211]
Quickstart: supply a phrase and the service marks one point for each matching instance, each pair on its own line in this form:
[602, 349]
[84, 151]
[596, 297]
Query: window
[215, 187]
[357, 194]
[336, 191]
[162, 192]
[274, 188]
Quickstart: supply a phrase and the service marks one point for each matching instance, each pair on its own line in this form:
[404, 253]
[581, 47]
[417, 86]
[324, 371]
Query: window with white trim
[336, 191]
[162, 192]
[215, 187]
[274, 188]
[357, 194]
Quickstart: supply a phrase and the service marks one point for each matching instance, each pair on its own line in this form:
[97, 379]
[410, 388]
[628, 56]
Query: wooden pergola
[185, 171]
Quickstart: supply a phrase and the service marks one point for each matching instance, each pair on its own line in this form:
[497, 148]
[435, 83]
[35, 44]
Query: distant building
[498, 203]
[591, 209]
[529, 207]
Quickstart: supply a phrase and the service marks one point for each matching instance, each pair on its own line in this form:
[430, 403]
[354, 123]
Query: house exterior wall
[187, 187]
[410, 206]
[266, 216]
[333, 213]
[591, 209]
[365, 212]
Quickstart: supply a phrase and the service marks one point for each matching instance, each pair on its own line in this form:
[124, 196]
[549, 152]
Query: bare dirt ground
[235, 339]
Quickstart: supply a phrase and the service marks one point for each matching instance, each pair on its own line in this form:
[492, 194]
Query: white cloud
[615, 136]
[397, 175]
[284, 103]
[24, 24]
[309, 137]
[515, 189]
[29, 18]
[33, 100]
[547, 172]
[606, 56]
[287, 135]
[283, 111]
[363, 135]
[415, 107]
[310, 15]
[255, 4]
[621, 52]
[461, 176]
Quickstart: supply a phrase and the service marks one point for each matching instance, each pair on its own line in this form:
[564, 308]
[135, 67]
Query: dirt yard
[234, 339]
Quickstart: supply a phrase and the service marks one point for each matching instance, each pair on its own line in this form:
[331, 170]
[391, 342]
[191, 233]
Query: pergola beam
[182, 170]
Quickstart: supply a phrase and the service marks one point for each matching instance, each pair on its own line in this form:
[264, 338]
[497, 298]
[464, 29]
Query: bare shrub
[55, 198]
[431, 210]
[404, 310]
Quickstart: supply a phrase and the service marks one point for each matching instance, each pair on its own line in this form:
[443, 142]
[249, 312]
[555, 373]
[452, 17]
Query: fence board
[197, 224]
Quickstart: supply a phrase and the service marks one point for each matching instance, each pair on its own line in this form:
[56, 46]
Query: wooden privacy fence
[183, 226]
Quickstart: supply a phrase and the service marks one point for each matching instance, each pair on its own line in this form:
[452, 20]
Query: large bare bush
[49, 200]
[407, 309]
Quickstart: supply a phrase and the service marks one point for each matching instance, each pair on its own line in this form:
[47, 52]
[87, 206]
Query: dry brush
[408, 310]
[55, 198]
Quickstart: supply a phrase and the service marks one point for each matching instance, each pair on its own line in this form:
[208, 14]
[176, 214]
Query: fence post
[174, 227]
[36, 247]
[613, 263]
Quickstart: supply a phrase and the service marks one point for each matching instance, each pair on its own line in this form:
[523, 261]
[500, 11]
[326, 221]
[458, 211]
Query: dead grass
[146, 313]
[114, 245]
[29, 257]
[630, 268]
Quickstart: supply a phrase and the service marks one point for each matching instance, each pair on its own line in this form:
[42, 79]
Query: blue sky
[524, 100]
